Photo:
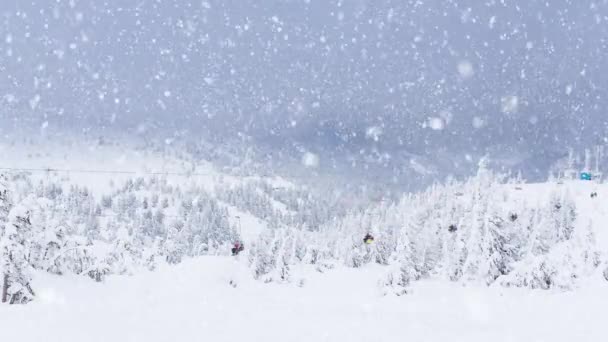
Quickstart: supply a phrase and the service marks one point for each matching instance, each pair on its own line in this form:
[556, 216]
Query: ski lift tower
[599, 155]
[570, 173]
[377, 213]
[239, 227]
[586, 174]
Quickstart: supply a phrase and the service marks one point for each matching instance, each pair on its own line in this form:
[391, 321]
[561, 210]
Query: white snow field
[193, 301]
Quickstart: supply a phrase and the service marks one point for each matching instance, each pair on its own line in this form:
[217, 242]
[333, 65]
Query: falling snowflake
[465, 69]
[373, 133]
[478, 122]
[34, 102]
[492, 22]
[509, 104]
[310, 160]
[436, 124]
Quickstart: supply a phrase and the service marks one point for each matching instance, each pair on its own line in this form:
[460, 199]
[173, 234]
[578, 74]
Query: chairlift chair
[237, 248]
[586, 176]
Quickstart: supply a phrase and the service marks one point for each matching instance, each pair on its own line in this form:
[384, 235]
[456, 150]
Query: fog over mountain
[403, 88]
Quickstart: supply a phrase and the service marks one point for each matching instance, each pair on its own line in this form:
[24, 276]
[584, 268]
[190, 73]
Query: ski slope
[103, 167]
[194, 302]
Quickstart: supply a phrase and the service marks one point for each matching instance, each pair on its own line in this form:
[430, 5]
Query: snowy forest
[478, 231]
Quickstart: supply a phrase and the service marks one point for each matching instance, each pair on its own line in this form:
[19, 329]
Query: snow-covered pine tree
[481, 189]
[123, 257]
[286, 256]
[454, 251]
[423, 242]
[566, 218]
[50, 234]
[173, 249]
[263, 253]
[15, 243]
[357, 252]
[5, 202]
[555, 223]
[5, 208]
[300, 247]
[402, 272]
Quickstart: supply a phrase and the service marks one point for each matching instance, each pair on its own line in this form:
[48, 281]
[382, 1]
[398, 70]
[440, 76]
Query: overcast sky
[414, 75]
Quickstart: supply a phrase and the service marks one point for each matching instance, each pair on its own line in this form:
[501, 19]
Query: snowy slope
[98, 166]
[194, 301]
[216, 297]
[101, 168]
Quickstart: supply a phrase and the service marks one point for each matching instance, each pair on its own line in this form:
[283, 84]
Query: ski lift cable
[90, 171]
[116, 215]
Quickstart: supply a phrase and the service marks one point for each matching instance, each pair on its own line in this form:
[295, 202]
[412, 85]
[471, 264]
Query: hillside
[299, 170]
[144, 254]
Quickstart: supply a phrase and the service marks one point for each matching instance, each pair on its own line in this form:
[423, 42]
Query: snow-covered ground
[195, 302]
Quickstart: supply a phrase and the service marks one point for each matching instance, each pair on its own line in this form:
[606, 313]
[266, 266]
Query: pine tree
[14, 246]
[453, 242]
[402, 272]
[287, 254]
[173, 248]
[262, 256]
[5, 208]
